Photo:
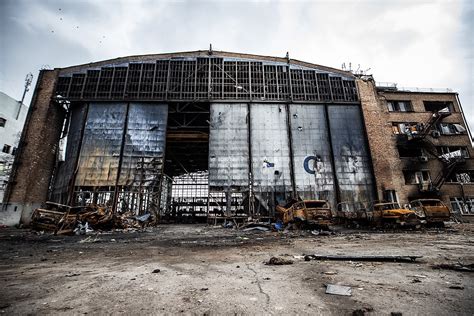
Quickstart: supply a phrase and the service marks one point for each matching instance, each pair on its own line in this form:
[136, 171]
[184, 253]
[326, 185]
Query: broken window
[451, 129]
[443, 150]
[399, 106]
[2, 122]
[409, 151]
[404, 128]
[462, 206]
[436, 106]
[6, 148]
[390, 195]
[462, 176]
[416, 176]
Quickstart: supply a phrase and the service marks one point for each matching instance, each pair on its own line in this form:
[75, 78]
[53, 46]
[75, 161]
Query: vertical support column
[251, 196]
[119, 171]
[70, 194]
[290, 147]
[209, 77]
[331, 151]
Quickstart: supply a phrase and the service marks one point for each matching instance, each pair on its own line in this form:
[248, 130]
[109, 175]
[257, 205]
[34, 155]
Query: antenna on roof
[210, 49]
[343, 67]
[288, 56]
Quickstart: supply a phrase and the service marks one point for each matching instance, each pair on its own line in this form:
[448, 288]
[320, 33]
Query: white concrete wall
[9, 134]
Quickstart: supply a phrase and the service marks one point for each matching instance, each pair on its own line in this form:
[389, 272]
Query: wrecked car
[313, 212]
[352, 213]
[433, 211]
[391, 214]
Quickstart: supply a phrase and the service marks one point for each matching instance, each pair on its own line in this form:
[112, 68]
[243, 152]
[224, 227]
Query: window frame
[394, 106]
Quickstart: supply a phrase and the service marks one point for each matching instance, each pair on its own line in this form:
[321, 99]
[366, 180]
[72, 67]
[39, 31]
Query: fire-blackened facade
[204, 134]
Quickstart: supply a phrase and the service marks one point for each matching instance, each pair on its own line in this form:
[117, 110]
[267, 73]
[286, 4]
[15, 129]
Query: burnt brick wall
[37, 151]
[388, 166]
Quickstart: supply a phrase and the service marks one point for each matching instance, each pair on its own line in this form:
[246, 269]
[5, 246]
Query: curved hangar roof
[206, 76]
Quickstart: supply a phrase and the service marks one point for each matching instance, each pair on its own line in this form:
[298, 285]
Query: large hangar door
[270, 155]
[73, 145]
[228, 158]
[101, 145]
[312, 152]
[125, 138]
[351, 155]
[144, 145]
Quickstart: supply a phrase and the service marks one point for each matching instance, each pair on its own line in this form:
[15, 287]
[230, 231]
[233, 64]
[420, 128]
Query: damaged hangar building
[205, 134]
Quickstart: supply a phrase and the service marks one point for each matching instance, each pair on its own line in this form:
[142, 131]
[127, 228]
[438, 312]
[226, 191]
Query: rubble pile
[64, 219]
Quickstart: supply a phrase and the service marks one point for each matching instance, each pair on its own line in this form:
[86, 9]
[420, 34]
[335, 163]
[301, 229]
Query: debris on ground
[83, 220]
[278, 261]
[335, 289]
[374, 258]
[156, 271]
[456, 267]
[256, 227]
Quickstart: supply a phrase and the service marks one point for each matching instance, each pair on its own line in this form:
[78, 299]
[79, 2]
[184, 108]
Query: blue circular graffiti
[306, 164]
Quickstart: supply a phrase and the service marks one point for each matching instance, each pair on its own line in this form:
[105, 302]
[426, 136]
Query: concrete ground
[212, 270]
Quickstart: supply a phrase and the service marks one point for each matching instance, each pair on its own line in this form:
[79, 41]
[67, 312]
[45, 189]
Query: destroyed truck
[433, 211]
[390, 214]
[305, 212]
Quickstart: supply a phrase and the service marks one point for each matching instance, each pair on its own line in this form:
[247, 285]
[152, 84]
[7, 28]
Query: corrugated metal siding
[270, 148]
[145, 142]
[228, 145]
[101, 145]
[311, 152]
[352, 162]
[66, 170]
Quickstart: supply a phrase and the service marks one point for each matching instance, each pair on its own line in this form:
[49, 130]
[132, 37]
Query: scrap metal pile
[64, 219]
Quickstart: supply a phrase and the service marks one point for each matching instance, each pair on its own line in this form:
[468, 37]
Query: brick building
[203, 132]
[420, 144]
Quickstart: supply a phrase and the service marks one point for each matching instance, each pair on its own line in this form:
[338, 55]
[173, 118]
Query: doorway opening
[185, 185]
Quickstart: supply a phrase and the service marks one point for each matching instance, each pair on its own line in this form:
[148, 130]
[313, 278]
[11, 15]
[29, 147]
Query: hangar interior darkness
[196, 137]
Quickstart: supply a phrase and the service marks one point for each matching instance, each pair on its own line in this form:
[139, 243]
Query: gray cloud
[414, 43]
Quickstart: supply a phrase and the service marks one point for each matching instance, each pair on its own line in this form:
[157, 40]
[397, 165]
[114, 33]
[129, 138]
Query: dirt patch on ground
[208, 270]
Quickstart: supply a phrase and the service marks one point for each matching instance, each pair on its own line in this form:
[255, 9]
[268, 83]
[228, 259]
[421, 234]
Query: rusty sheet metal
[312, 153]
[101, 144]
[66, 169]
[351, 156]
[145, 141]
[270, 148]
[228, 146]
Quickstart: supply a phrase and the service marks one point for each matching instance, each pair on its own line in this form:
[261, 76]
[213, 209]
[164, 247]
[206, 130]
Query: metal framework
[207, 78]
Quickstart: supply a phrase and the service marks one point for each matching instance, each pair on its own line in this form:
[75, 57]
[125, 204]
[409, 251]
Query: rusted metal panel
[351, 156]
[311, 153]
[228, 145]
[101, 145]
[270, 148]
[145, 141]
[66, 169]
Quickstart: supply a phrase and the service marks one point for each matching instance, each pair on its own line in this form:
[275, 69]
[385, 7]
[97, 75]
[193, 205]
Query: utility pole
[28, 80]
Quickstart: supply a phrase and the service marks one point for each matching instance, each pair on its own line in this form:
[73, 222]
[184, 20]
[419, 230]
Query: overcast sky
[413, 43]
